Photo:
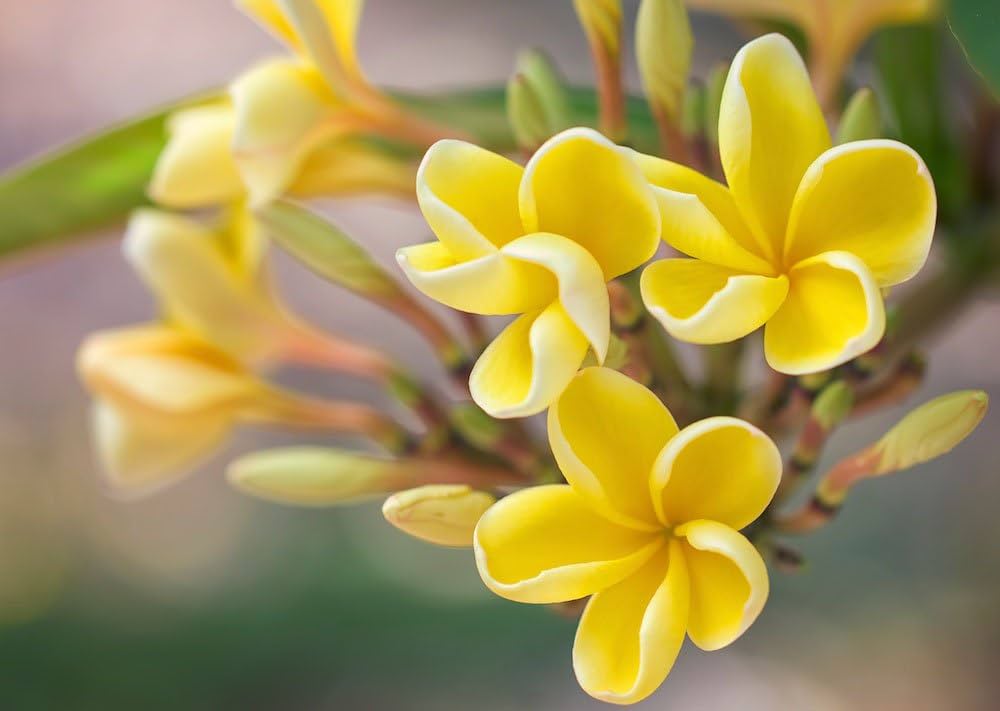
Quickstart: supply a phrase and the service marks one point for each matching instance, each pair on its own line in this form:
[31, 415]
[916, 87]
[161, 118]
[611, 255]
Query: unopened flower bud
[663, 45]
[443, 514]
[862, 118]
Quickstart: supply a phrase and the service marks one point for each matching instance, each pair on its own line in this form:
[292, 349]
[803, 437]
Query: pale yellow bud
[663, 45]
[316, 476]
[602, 23]
[931, 430]
[445, 514]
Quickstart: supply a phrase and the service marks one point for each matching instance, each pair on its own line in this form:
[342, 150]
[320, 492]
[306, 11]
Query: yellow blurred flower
[165, 399]
[540, 241]
[295, 118]
[197, 167]
[835, 29]
[647, 525]
[805, 236]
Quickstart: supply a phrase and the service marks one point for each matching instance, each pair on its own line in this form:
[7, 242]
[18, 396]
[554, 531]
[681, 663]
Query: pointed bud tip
[444, 514]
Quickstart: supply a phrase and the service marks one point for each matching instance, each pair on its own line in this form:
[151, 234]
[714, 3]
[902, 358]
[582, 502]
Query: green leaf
[82, 187]
[976, 25]
[909, 61]
[326, 249]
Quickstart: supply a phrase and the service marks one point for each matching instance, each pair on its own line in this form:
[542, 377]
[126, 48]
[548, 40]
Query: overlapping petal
[606, 431]
[468, 196]
[545, 544]
[700, 302]
[729, 584]
[526, 367]
[582, 186]
[700, 217]
[770, 130]
[833, 312]
[721, 468]
[196, 167]
[630, 634]
[874, 199]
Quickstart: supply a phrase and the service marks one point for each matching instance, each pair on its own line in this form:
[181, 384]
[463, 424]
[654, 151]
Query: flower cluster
[646, 518]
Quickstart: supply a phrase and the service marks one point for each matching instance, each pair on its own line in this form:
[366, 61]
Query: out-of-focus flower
[293, 115]
[804, 238]
[165, 399]
[648, 525]
[835, 29]
[445, 514]
[197, 167]
[539, 241]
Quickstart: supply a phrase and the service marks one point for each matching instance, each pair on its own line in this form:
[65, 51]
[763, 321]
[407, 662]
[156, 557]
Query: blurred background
[202, 598]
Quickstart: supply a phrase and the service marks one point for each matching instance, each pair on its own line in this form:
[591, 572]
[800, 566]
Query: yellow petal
[833, 312]
[494, 284]
[874, 199]
[631, 633]
[582, 291]
[196, 168]
[283, 112]
[271, 15]
[770, 130]
[582, 186]
[199, 288]
[606, 431]
[163, 370]
[699, 302]
[544, 544]
[729, 584]
[445, 514]
[141, 452]
[721, 468]
[468, 196]
[345, 167]
[326, 30]
[529, 364]
[700, 217]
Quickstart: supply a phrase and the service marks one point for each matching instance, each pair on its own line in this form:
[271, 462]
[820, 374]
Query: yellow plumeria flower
[541, 241]
[647, 525]
[835, 28]
[295, 116]
[197, 167]
[163, 401]
[805, 236]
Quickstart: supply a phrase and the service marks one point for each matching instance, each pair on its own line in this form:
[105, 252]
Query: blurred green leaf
[81, 187]
[910, 67]
[976, 25]
[326, 249]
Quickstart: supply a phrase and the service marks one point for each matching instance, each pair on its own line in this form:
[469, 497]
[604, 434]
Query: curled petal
[529, 364]
[721, 468]
[699, 302]
[582, 186]
[544, 544]
[582, 291]
[494, 284]
[196, 168]
[606, 431]
[700, 217]
[283, 112]
[874, 199]
[770, 130]
[630, 634]
[469, 197]
[833, 312]
[729, 584]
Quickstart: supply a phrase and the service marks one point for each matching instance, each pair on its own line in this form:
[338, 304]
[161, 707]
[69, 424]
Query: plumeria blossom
[297, 119]
[647, 525]
[835, 28]
[805, 236]
[540, 241]
[197, 167]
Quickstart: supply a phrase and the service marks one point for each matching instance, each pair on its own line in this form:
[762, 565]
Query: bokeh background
[202, 598]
